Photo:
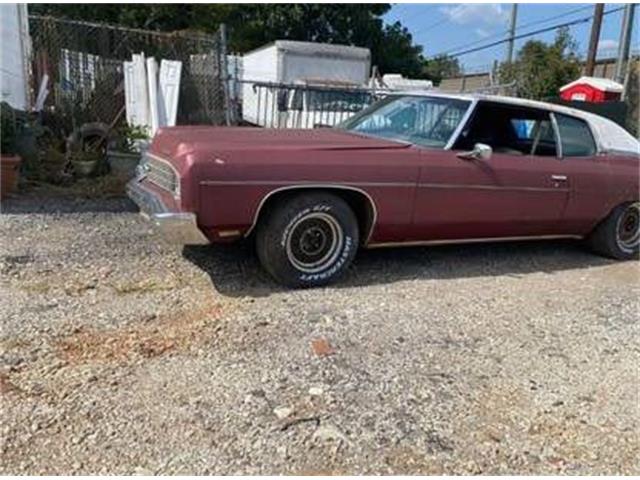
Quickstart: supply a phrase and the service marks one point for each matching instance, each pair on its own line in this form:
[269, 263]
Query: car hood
[177, 141]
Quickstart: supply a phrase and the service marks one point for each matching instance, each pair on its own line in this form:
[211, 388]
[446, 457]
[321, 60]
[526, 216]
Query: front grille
[162, 174]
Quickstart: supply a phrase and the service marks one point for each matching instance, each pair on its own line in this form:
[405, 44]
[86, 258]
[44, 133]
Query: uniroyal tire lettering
[287, 229]
[300, 214]
[335, 267]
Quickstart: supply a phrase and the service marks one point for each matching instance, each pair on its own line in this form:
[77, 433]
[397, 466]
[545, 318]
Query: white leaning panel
[170, 71]
[140, 93]
[152, 86]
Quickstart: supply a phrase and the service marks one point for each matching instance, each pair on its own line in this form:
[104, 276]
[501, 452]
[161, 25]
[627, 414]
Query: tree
[632, 98]
[540, 69]
[393, 51]
[442, 66]
[252, 25]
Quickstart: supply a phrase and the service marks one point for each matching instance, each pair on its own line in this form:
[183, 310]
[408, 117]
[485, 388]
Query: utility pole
[512, 32]
[593, 41]
[624, 45]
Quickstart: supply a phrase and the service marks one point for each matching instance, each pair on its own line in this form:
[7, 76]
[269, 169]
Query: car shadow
[235, 271]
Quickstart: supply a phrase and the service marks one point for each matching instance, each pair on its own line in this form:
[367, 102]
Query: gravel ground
[122, 354]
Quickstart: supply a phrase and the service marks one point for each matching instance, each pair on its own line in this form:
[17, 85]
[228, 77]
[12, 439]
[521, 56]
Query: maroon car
[411, 169]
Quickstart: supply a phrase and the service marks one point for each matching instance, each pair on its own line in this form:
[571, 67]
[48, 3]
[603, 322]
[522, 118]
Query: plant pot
[84, 168]
[10, 164]
[123, 164]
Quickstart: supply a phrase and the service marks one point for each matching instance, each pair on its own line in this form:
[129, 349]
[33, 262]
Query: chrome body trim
[142, 166]
[556, 131]
[160, 159]
[459, 241]
[305, 183]
[485, 187]
[327, 186]
[625, 153]
[355, 185]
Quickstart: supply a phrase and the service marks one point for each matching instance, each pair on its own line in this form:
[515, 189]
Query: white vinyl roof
[608, 135]
[603, 84]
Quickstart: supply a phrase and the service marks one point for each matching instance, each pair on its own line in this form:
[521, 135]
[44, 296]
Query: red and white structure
[592, 89]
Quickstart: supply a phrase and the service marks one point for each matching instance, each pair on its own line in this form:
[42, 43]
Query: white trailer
[14, 55]
[288, 63]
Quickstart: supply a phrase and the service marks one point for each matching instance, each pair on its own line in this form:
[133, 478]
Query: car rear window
[575, 136]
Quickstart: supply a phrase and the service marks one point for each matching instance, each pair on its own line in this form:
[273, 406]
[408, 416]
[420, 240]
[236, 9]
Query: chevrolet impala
[414, 168]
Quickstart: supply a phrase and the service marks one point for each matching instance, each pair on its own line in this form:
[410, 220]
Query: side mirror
[480, 151]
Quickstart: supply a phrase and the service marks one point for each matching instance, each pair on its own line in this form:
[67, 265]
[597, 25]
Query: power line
[555, 17]
[526, 25]
[536, 32]
[524, 35]
[421, 14]
[431, 27]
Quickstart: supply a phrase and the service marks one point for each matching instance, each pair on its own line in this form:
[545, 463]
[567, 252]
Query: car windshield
[426, 121]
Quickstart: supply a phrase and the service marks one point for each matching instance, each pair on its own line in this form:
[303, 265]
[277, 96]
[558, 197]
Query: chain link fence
[84, 65]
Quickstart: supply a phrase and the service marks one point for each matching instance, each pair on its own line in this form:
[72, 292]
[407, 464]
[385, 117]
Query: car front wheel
[307, 240]
[618, 236]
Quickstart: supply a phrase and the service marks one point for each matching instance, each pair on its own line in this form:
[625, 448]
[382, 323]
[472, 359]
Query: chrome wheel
[314, 242]
[628, 228]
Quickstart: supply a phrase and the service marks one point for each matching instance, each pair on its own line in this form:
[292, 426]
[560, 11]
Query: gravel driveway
[122, 354]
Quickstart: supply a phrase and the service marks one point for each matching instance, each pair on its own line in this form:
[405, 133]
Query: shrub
[8, 129]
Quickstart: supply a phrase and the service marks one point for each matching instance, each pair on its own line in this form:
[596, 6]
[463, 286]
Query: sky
[458, 26]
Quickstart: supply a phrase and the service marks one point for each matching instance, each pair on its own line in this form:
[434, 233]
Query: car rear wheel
[307, 240]
[618, 236]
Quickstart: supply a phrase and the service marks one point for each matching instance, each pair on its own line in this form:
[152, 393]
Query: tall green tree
[540, 69]
[253, 25]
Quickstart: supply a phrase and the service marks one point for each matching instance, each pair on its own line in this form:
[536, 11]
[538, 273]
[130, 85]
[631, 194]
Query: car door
[587, 175]
[522, 190]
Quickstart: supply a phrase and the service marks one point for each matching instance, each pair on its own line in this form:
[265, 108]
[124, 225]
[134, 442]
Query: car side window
[575, 137]
[523, 128]
[510, 130]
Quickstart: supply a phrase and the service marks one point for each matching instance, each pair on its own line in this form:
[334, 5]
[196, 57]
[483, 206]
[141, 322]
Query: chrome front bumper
[176, 227]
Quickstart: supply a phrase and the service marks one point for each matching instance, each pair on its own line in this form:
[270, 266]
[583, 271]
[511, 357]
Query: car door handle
[559, 178]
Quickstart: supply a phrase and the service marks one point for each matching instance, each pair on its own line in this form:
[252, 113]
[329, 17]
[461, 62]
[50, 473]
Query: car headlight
[143, 168]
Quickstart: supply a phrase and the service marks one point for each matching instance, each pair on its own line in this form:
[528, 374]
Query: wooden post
[224, 74]
[512, 32]
[624, 46]
[594, 39]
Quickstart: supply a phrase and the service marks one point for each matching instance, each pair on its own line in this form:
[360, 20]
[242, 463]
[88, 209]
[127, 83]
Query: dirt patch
[153, 337]
[407, 461]
[6, 386]
[148, 285]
